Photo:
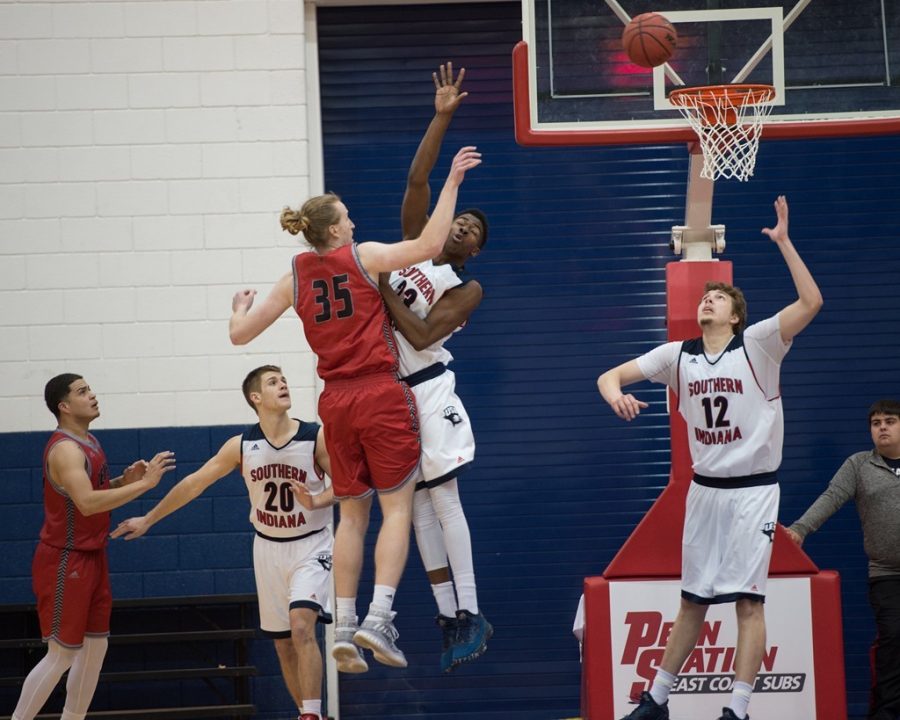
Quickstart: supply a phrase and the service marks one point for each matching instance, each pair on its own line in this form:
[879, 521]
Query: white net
[728, 119]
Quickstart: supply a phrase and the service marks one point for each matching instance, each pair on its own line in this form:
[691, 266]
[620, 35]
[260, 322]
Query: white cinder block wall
[146, 149]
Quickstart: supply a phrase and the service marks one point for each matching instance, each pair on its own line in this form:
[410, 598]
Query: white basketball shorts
[448, 444]
[727, 542]
[292, 574]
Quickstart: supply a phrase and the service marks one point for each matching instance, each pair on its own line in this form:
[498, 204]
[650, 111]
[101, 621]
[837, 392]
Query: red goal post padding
[803, 653]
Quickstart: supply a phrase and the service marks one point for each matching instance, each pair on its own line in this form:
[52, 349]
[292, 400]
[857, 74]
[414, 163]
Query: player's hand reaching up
[161, 463]
[467, 158]
[627, 407]
[795, 537]
[780, 232]
[447, 96]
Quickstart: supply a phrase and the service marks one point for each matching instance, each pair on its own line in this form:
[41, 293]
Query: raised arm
[66, 465]
[448, 313]
[244, 325]
[610, 384]
[800, 313]
[190, 487]
[380, 257]
[416, 199]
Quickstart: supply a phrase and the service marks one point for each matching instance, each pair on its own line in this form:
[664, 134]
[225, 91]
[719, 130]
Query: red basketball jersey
[64, 526]
[344, 318]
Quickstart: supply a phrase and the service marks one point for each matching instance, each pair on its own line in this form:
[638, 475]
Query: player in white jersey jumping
[292, 547]
[428, 303]
[727, 382]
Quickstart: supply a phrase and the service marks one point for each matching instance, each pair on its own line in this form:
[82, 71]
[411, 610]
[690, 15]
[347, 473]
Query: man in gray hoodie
[872, 480]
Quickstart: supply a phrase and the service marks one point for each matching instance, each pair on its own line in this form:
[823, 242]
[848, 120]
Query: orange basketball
[649, 40]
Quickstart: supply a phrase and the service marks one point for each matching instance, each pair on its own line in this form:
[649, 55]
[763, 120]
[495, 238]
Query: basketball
[649, 40]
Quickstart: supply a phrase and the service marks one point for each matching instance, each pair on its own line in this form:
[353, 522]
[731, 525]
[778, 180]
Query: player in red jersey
[369, 415]
[70, 573]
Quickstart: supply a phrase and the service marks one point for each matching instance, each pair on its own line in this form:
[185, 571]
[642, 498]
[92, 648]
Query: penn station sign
[641, 617]
[627, 624]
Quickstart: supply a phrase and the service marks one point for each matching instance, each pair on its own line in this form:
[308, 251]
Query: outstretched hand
[134, 472]
[467, 158]
[447, 96]
[161, 463]
[131, 528]
[780, 232]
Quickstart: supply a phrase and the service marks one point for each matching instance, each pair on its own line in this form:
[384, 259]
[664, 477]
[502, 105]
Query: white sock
[312, 706]
[445, 597]
[42, 679]
[429, 535]
[458, 540]
[83, 676]
[383, 598]
[740, 698]
[662, 685]
[465, 589]
[345, 610]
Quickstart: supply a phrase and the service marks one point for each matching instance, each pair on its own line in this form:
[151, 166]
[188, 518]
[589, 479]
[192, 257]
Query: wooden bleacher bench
[210, 634]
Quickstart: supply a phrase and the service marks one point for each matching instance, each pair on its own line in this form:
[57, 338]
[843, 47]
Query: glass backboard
[834, 65]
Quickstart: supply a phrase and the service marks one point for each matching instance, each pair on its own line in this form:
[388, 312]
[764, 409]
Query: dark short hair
[253, 382]
[481, 217]
[738, 303]
[884, 407]
[57, 389]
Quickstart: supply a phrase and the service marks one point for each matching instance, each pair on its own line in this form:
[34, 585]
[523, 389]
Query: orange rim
[720, 104]
[718, 94]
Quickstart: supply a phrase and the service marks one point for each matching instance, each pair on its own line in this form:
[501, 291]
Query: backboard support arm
[698, 238]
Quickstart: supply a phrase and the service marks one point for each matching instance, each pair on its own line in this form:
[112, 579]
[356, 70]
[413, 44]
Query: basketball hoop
[728, 119]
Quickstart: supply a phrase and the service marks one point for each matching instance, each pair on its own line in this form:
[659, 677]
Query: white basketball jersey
[267, 471]
[421, 286]
[731, 403]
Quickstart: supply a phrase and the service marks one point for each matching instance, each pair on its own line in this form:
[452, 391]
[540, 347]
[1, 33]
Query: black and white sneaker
[647, 709]
[728, 714]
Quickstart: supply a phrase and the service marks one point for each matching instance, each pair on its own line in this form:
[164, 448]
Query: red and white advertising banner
[641, 616]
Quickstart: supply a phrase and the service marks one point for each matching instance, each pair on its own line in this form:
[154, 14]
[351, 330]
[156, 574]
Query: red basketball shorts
[372, 434]
[73, 593]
